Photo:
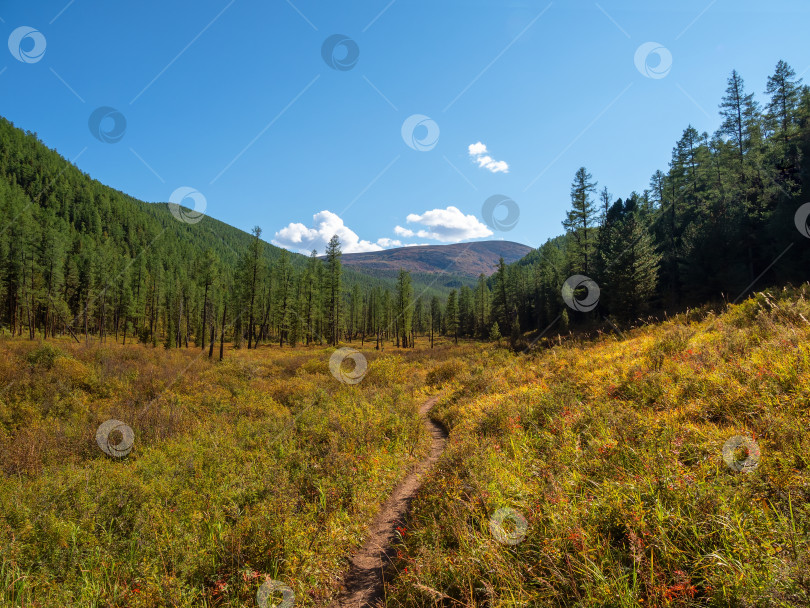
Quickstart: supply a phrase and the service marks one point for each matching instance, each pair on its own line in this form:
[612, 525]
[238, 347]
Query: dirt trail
[363, 585]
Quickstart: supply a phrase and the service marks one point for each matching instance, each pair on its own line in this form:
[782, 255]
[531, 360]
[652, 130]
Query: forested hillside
[79, 257]
[721, 219]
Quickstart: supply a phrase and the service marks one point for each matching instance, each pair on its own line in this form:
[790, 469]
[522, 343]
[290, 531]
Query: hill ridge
[464, 259]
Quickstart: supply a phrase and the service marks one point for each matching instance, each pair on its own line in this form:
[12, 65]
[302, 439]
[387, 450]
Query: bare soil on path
[364, 583]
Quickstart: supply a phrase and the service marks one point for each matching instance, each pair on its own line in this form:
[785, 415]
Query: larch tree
[580, 222]
[451, 315]
[404, 306]
[333, 288]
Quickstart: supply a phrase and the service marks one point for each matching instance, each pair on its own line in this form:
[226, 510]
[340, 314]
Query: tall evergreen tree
[254, 263]
[451, 314]
[404, 306]
[580, 223]
[333, 288]
[628, 260]
[740, 115]
[784, 90]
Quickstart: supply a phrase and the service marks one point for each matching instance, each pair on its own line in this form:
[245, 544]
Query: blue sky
[234, 98]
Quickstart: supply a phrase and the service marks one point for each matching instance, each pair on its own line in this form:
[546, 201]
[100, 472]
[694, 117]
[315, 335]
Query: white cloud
[388, 243]
[448, 225]
[477, 149]
[478, 152]
[391, 243]
[298, 237]
[403, 231]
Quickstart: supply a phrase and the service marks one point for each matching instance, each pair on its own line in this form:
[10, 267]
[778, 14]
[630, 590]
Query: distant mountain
[460, 259]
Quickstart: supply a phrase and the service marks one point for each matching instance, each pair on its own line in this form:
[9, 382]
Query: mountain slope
[43, 192]
[461, 259]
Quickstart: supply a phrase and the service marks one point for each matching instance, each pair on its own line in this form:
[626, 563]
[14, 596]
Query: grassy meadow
[611, 453]
[264, 465]
[587, 473]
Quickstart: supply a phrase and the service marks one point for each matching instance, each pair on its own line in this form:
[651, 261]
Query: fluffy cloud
[478, 152]
[298, 237]
[392, 243]
[447, 225]
[477, 149]
[399, 230]
[388, 243]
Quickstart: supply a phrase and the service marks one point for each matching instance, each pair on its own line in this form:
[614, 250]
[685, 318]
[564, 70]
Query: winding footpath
[364, 583]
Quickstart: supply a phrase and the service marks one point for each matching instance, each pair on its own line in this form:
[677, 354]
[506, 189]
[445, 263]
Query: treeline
[718, 222]
[79, 258]
[278, 304]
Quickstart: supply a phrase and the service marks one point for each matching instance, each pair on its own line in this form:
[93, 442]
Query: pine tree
[482, 305]
[784, 90]
[285, 297]
[312, 297]
[333, 288]
[629, 260]
[451, 313]
[740, 115]
[435, 317]
[502, 307]
[355, 303]
[466, 311]
[209, 272]
[580, 222]
[253, 275]
[404, 306]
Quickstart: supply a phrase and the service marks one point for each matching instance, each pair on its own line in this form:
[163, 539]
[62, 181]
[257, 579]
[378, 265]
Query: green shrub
[44, 355]
[443, 373]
